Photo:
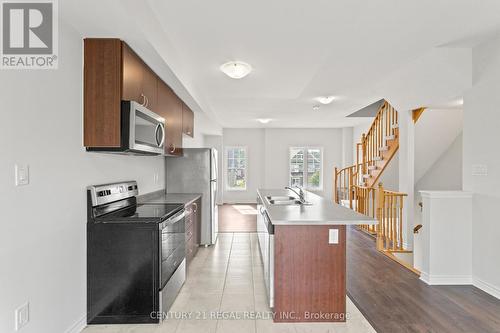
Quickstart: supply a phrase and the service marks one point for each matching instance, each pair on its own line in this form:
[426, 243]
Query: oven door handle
[174, 219]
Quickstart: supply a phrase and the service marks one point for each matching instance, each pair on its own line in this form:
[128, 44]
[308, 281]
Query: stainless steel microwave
[142, 131]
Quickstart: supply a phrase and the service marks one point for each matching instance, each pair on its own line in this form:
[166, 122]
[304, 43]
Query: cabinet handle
[172, 148]
[143, 100]
[195, 207]
[147, 101]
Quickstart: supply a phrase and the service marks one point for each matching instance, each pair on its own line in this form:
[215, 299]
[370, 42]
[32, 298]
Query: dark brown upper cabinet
[114, 72]
[170, 108]
[187, 120]
[139, 81]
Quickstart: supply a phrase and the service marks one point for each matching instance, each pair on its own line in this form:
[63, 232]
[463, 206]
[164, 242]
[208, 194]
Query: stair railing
[344, 178]
[364, 202]
[390, 217]
[383, 126]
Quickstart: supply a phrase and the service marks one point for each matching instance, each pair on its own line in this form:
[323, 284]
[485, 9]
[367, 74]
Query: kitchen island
[303, 248]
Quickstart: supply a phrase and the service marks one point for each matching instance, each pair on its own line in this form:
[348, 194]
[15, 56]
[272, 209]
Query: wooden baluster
[380, 216]
[363, 152]
[394, 223]
[349, 187]
[401, 222]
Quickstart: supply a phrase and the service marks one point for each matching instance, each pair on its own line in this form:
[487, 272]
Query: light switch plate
[22, 173]
[479, 170]
[333, 236]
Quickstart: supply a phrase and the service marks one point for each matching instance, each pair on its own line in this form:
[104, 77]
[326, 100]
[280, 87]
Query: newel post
[380, 217]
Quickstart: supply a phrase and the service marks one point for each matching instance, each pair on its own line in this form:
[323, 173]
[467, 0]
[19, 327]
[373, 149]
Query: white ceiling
[411, 53]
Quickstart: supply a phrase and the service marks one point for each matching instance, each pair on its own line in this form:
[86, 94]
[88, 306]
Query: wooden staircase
[379, 145]
[356, 186]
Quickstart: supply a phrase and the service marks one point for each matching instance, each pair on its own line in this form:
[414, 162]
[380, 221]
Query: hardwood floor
[238, 218]
[393, 299]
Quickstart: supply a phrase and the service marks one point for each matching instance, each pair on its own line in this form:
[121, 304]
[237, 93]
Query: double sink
[285, 201]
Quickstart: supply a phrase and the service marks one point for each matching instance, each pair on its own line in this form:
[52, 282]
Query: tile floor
[227, 280]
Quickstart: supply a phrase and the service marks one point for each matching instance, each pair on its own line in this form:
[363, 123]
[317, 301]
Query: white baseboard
[445, 280]
[78, 326]
[486, 287]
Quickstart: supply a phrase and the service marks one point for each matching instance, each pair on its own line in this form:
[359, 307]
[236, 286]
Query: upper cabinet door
[133, 73]
[139, 81]
[170, 108]
[150, 89]
[187, 120]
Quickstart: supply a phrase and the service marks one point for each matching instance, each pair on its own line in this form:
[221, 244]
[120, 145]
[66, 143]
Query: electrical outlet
[22, 173]
[333, 236]
[22, 316]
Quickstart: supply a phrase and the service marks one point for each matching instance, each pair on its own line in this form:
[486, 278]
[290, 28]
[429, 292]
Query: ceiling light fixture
[236, 69]
[264, 120]
[325, 100]
[315, 107]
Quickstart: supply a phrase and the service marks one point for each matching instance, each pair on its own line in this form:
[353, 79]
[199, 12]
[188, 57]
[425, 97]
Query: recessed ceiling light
[325, 99]
[236, 69]
[315, 107]
[264, 120]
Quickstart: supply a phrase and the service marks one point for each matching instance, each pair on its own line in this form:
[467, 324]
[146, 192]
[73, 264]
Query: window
[236, 168]
[306, 167]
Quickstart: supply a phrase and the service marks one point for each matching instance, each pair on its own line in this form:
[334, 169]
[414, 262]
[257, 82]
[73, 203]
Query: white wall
[444, 175]
[268, 151]
[443, 251]
[435, 131]
[43, 238]
[480, 144]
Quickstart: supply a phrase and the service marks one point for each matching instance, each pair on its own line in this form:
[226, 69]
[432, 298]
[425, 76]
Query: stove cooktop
[142, 213]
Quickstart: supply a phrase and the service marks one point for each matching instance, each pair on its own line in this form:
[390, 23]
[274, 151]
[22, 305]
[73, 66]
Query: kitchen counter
[168, 198]
[320, 212]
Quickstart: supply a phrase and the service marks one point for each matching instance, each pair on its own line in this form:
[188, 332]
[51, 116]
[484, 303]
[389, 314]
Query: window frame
[304, 171]
[226, 170]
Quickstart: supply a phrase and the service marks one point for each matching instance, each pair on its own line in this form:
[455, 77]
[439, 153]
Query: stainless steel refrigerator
[196, 172]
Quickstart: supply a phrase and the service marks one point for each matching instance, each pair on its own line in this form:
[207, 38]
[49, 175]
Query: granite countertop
[161, 196]
[321, 211]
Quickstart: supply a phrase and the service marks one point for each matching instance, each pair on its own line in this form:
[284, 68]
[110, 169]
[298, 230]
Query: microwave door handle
[158, 127]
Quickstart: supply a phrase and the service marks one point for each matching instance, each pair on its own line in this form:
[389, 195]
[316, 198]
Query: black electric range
[135, 256]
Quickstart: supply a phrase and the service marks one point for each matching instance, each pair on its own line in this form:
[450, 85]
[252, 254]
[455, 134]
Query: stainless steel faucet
[300, 193]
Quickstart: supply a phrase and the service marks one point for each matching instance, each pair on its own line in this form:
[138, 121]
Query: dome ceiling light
[325, 99]
[236, 69]
[264, 120]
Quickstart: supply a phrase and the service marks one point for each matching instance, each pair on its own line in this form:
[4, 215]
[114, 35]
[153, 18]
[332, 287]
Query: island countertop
[320, 212]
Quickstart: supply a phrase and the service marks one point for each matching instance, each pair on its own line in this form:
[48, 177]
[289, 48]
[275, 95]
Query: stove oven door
[172, 259]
